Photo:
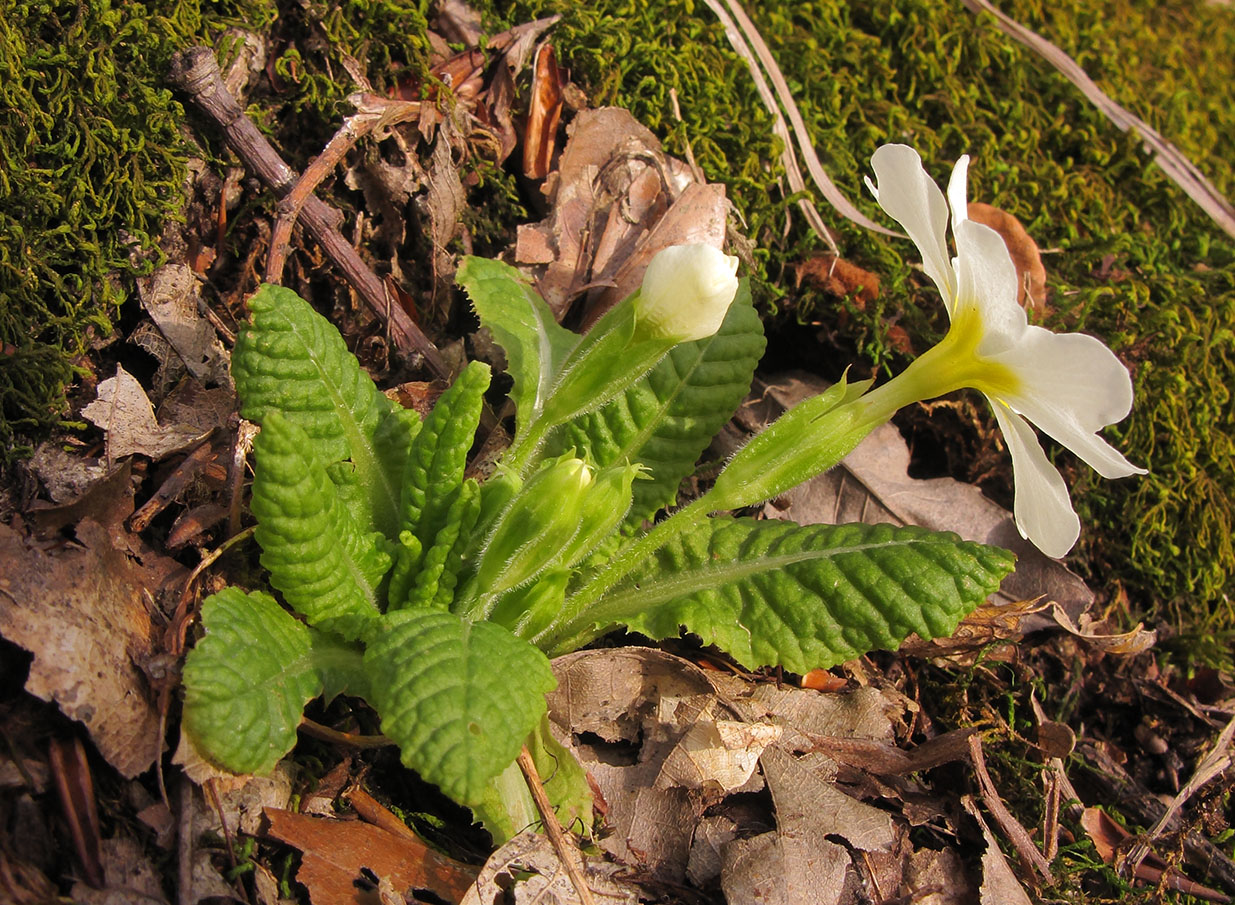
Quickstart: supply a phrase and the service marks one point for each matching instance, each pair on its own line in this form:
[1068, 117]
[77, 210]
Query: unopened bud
[686, 292]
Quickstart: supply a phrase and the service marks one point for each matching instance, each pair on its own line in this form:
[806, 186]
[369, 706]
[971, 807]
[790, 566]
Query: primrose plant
[439, 599]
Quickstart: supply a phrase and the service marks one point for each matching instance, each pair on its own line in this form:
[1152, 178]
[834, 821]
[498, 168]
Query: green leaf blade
[775, 593]
[522, 324]
[293, 361]
[668, 417]
[458, 697]
[247, 681]
[325, 566]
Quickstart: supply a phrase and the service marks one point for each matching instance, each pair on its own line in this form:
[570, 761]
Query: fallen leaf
[785, 869]
[839, 277]
[65, 475]
[872, 485]
[83, 612]
[999, 883]
[129, 877]
[1136, 641]
[544, 113]
[124, 412]
[712, 836]
[717, 755]
[937, 878]
[335, 851]
[528, 869]
[1030, 274]
[616, 200]
[172, 297]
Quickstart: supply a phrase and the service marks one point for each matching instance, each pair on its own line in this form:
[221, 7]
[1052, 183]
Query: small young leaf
[666, 419]
[293, 361]
[522, 324]
[438, 454]
[778, 594]
[438, 574]
[326, 568]
[458, 697]
[247, 681]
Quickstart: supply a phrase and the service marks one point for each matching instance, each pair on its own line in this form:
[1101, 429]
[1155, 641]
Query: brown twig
[326, 734]
[1012, 829]
[196, 72]
[566, 851]
[374, 112]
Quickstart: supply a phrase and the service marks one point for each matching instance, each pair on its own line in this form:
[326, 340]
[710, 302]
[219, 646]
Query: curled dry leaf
[1030, 274]
[172, 297]
[999, 883]
[544, 114]
[1136, 641]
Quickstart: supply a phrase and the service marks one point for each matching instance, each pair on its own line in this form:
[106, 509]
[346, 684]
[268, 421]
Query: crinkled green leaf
[326, 567]
[775, 593]
[667, 418]
[458, 697]
[293, 361]
[247, 681]
[522, 324]
[438, 454]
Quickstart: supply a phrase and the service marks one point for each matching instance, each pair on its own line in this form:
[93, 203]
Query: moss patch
[1138, 263]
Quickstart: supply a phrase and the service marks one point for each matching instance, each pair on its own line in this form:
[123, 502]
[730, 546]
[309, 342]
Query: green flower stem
[572, 629]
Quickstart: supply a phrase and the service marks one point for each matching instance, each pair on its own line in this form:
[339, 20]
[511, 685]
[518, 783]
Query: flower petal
[986, 280]
[958, 192]
[1043, 510]
[913, 200]
[1072, 387]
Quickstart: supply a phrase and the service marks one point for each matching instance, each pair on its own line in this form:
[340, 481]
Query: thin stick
[196, 72]
[565, 848]
[373, 112]
[1011, 827]
[326, 734]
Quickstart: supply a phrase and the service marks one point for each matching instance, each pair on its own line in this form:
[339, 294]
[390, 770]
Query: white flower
[687, 290]
[1069, 385]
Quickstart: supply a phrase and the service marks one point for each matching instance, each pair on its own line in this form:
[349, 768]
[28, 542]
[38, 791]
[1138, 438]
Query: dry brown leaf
[784, 869]
[64, 475]
[544, 114]
[172, 297]
[937, 878]
[717, 755]
[84, 612]
[504, 876]
[130, 877]
[336, 850]
[124, 412]
[839, 277]
[999, 883]
[872, 485]
[1030, 274]
[616, 200]
[1136, 641]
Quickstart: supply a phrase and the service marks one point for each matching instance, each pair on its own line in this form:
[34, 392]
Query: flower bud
[538, 524]
[686, 292]
[604, 507]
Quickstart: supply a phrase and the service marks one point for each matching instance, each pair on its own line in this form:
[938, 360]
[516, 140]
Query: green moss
[93, 162]
[1137, 263]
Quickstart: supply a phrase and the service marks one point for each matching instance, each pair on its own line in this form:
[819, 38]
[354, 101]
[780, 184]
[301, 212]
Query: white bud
[686, 292]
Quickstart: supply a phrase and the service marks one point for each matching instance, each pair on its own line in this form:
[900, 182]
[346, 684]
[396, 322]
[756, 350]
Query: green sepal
[777, 594]
[438, 455]
[459, 698]
[325, 566]
[666, 419]
[805, 441]
[528, 610]
[292, 361]
[247, 681]
[522, 324]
